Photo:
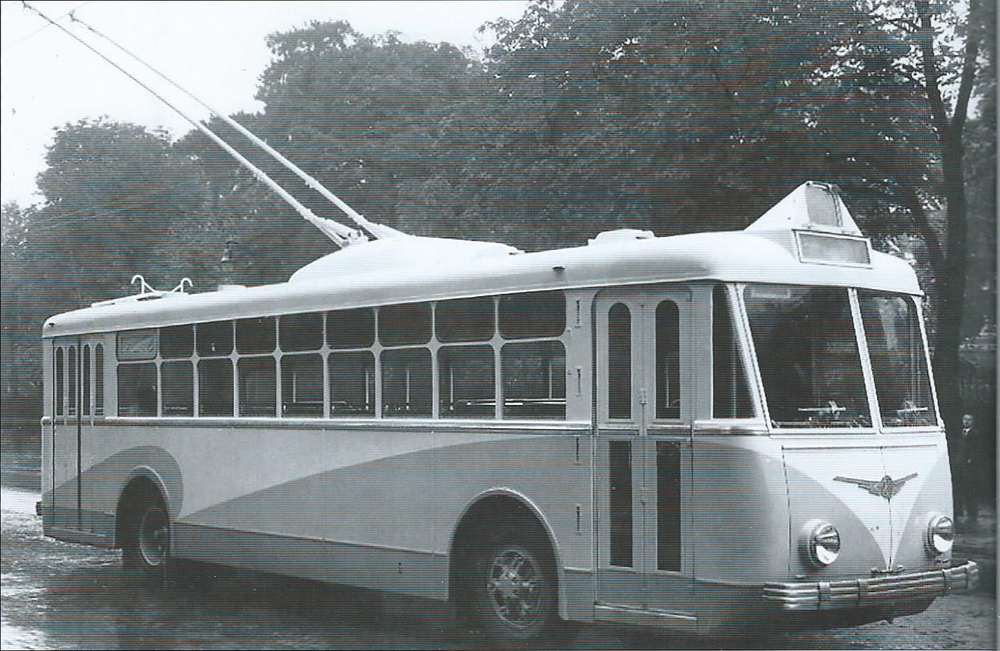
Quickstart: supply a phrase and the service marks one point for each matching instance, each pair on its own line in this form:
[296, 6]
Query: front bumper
[875, 591]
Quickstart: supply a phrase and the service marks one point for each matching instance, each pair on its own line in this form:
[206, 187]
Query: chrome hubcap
[513, 587]
[153, 537]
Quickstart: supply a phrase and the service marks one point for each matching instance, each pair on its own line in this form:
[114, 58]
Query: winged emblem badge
[886, 487]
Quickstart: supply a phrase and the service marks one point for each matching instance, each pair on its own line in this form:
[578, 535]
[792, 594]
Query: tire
[513, 591]
[147, 543]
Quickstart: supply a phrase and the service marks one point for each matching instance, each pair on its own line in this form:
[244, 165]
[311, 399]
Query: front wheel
[514, 592]
[147, 546]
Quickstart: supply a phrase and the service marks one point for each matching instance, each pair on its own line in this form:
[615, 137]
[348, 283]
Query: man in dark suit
[965, 471]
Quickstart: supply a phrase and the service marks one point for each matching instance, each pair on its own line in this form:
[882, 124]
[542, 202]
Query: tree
[360, 114]
[115, 193]
[681, 116]
[20, 328]
[948, 52]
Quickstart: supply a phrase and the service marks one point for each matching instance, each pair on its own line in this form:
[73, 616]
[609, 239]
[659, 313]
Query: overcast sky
[214, 49]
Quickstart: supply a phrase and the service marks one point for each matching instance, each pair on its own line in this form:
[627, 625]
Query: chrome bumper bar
[876, 591]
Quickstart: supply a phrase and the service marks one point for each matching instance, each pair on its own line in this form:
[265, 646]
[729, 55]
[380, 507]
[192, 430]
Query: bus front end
[851, 411]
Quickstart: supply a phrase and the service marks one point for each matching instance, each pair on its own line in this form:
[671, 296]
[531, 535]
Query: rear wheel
[513, 591]
[147, 542]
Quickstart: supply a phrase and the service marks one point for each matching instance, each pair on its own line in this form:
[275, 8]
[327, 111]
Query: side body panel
[369, 505]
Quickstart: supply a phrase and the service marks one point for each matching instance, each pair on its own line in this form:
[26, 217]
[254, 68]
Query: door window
[620, 503]
[85, 368]
[619, 362]
[59, 382]
[72, 380]
[668, 361]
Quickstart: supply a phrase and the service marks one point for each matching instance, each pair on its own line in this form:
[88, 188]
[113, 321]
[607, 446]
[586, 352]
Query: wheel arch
[487, 504]
[139, 479]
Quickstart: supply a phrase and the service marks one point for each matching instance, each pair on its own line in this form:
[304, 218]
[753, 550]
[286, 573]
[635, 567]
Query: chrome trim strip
[729, 428]
[621, 614]
[511, 426]
[882, 590]
[194, 526]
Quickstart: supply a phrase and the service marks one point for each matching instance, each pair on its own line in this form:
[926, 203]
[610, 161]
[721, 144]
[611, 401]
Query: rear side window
[137, 392]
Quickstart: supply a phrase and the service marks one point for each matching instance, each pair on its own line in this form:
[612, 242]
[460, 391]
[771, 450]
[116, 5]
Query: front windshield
[899, 366]
[808, 356]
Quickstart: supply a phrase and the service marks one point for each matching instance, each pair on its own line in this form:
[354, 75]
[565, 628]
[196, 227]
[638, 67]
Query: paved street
[61, 595]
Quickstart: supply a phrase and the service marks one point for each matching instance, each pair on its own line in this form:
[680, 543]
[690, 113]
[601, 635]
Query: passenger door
[645, 390]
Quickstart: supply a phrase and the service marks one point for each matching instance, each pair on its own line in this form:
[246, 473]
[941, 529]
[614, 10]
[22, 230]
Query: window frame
[377, 350]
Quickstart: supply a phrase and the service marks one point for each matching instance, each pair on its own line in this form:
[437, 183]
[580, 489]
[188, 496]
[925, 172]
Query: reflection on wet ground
[84, 599]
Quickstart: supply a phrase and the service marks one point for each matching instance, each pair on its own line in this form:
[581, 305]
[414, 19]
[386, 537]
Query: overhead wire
[340, 234]
[377, 230]
[46, 26]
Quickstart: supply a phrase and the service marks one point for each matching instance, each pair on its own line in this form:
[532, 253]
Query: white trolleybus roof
[808, 238]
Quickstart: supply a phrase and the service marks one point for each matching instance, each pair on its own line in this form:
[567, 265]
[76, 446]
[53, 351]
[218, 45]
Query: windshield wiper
[829, 415]
[831, 409]
[910, 408]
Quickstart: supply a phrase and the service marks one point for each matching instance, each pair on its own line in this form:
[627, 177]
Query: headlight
[940, 534]
[822, 542]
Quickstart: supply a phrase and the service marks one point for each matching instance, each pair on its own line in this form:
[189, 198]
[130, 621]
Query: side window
[401, 325]
[300, 332]
[352, 384]
[466, 384]
[85, 383]
[534, 380]
[467, 319]
[541, 314]
[256, 335]
[99, 380]
[59, 380]
[619, 362]
[178, 388]
[215, 386]
[302, 384]
[72, 381]
[137, 395]
[215, 339]
[176, 342]
[350, 328]
[406, 382]
[730, 392]
[257, 385]
[533, 374]
[668, 366]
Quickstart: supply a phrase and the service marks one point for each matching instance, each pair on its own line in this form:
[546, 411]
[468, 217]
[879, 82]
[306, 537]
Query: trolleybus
[698, 433]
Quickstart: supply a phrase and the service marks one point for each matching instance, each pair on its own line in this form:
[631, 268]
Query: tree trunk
[950, 287]
[950, 273]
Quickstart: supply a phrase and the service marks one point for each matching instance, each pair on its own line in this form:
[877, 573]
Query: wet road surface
[62, 595]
